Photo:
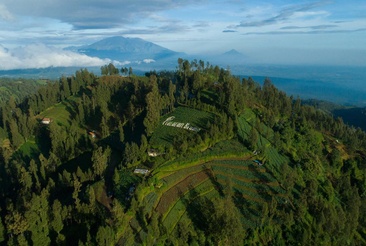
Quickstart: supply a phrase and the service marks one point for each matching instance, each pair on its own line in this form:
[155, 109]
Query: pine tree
[37, 216]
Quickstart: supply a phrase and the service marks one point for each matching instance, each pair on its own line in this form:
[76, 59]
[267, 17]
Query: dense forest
[18, 88]
[194, 156]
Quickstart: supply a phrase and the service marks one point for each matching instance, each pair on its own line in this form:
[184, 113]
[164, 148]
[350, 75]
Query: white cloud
[95, 14]
[5, 14]
[40, 56]
[148, 60]
[124, 63]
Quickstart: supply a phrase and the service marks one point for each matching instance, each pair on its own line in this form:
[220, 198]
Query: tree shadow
[263, 187]
[134, 224]
[196, 207]
[141, 219]
[209, 172]
[244, 206]
[70, 107]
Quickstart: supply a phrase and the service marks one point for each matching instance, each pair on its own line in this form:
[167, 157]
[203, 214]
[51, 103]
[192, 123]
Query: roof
[141, 171]
[46, 120]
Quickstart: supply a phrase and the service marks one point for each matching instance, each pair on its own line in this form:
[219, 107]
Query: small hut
[46, 121]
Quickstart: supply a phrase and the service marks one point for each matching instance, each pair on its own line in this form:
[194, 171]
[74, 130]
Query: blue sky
[274, 32]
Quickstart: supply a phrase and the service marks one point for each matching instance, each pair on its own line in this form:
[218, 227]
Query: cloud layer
[190, 26]
[94, 14]
[41, 56]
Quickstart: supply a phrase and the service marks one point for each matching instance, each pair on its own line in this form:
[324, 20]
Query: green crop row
[173, 215]
[197, 160]
[247, 188]
[273, 156]
[182, 174]
[164, 135]
[243, 127]
[245, 174]
[150, 200]
[239, 163]
[251, 186]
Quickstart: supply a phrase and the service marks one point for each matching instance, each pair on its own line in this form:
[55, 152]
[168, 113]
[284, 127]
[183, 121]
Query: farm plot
[248, 172]
[186, 216]
[274, 157]
[184, 119]
[174, 177]
[149, 201]
[247, 189]
[249, 176]
[243, 127]
[179, 189]
[274, 160]
[173, 216]
[249, 209]
[252, 186]
[262, 142]
[246, 122]
[245, 165]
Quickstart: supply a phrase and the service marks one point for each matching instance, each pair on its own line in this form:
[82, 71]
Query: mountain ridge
[121, 48]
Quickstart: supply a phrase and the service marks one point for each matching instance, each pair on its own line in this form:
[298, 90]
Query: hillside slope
[207, 160]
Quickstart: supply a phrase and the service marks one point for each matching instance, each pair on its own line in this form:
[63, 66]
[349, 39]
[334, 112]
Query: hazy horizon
[33, 33]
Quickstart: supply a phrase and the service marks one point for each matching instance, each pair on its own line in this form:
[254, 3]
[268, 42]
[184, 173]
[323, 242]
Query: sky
[33, 33]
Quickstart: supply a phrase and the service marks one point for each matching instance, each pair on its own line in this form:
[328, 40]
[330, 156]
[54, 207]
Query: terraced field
[180, 189]
[252, 186]
[178, 183]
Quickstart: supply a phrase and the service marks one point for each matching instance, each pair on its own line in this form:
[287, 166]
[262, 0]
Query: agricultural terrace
[172, 192]
[182, 120]
[248, 122]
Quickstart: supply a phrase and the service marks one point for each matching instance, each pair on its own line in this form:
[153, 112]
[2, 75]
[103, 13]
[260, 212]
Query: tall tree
[105, 236]
[37, 216]
[100, 160]
[153, 107]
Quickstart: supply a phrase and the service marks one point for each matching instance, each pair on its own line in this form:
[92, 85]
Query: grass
[28, 151]
[58, 113]
[61, 113]
[29, 148]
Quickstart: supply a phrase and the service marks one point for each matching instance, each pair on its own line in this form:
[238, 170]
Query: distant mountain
[229, 58]
[233, 52]
[233, 56]
[127, 49]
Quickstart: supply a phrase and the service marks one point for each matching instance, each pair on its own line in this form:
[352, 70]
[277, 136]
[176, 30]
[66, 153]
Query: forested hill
[194, 156]
[18, 88]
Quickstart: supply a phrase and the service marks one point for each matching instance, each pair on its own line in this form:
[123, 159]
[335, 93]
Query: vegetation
[229, 162]
[18, 89]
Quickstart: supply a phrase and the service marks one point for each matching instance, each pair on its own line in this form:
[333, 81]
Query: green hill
[189, 157]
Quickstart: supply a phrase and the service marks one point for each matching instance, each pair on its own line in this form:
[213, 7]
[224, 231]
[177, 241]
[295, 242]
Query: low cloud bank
[41, 56]
[148, 61]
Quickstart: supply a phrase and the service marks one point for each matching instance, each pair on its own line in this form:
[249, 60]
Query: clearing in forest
[180, 121]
